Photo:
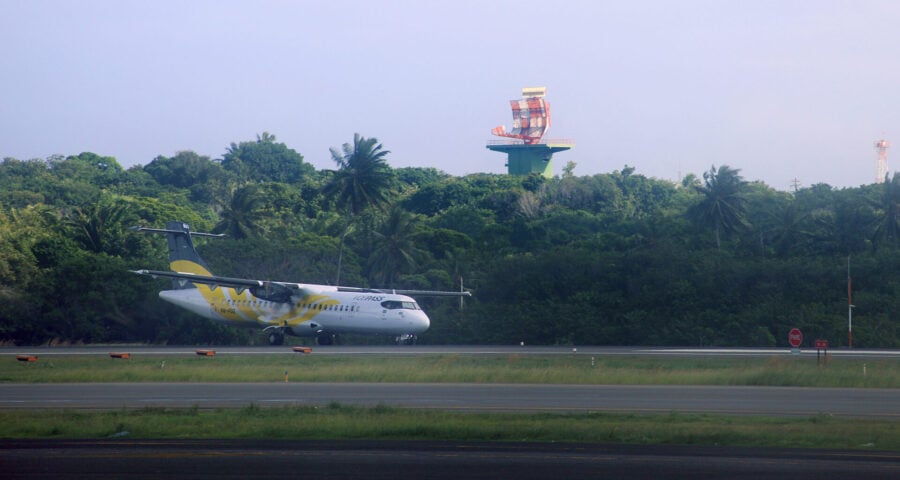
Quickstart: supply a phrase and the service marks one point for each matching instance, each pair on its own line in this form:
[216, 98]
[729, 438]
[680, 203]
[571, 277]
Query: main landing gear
[325, 339]
[276, 336]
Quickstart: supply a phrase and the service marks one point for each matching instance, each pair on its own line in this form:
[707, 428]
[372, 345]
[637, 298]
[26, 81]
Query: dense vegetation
[613, 258]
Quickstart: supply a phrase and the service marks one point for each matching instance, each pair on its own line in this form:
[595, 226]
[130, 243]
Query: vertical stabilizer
[181, 247]
[183, 258]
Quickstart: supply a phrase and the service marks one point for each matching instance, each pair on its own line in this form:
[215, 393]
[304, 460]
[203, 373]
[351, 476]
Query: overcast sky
[780, 89]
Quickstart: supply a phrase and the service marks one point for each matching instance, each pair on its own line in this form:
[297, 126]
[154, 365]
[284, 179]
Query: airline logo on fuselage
[369, 298]
[241, 306]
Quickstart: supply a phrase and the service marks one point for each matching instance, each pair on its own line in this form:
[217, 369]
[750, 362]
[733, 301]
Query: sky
[784, 90]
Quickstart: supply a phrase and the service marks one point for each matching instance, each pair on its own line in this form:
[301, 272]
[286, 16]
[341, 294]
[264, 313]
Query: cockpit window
[396, 304]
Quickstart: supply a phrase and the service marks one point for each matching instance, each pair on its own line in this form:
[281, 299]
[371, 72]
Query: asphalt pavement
[251, 459]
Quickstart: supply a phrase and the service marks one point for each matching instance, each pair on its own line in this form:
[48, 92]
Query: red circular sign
[795, 337]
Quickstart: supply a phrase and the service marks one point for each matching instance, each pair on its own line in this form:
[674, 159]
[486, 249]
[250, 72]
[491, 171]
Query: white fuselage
[323, 310]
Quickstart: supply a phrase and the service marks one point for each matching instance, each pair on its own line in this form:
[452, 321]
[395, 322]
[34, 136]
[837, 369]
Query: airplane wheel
[276, 338]
[325, 339]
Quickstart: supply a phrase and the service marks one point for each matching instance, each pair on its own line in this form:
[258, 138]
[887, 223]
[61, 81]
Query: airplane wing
[281, 291]
[414, 293]
[272, 291]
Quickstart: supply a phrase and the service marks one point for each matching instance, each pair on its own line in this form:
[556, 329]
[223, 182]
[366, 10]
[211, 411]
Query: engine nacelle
[273, 292]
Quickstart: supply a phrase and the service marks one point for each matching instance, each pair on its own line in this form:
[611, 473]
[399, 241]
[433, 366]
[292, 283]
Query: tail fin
[181, 248]
[183, 257]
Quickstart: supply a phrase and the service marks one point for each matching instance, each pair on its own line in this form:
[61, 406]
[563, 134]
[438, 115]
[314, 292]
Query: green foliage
[309, 257]
[410, 178]
[240, 216]
[782, 369]
[265, 160]
[887, 224]
[615, 258]
[722, 207]
[395, 248]
[363, 176]
[205, 179]
[380, 422]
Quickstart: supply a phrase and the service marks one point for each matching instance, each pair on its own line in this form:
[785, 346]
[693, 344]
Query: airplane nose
[423, 322]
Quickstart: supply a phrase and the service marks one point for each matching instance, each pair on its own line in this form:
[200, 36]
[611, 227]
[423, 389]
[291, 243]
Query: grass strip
[451, 368]
[338, 422]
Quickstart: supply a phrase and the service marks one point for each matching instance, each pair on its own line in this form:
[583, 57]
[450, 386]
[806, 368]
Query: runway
[770, 401]
[52, 459]
[407, 350]
[138, 459]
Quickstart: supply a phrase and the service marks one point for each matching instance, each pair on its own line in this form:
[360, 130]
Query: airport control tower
[526, 153]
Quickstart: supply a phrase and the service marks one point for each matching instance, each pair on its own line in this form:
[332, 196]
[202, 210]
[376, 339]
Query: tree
[20, 273]
[205, 178]
[788, 230]
[99, 226]
[723, 207]
[361, 182]
[887, 224]
[240, 218]
[183, 170]
[363, 176]
[415, 177]
[88, 166]
[438, 197]
[395, 249]
[265, 160]
[690, 181]
[569, 169]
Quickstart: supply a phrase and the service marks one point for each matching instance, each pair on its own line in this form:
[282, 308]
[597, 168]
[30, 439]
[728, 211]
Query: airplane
[285, 308]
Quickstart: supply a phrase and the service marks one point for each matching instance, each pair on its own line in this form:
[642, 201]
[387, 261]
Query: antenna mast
[881, 165]
[849, 307]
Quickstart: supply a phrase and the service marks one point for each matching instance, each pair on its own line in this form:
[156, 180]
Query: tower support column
[524, 159]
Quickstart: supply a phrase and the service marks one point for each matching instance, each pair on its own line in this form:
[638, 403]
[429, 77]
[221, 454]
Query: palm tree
[788, 227]
[363, 177]
[723, 207]
[94, 224]
[395, 247]
[362, 181]
[266, 137]
[240, 217]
